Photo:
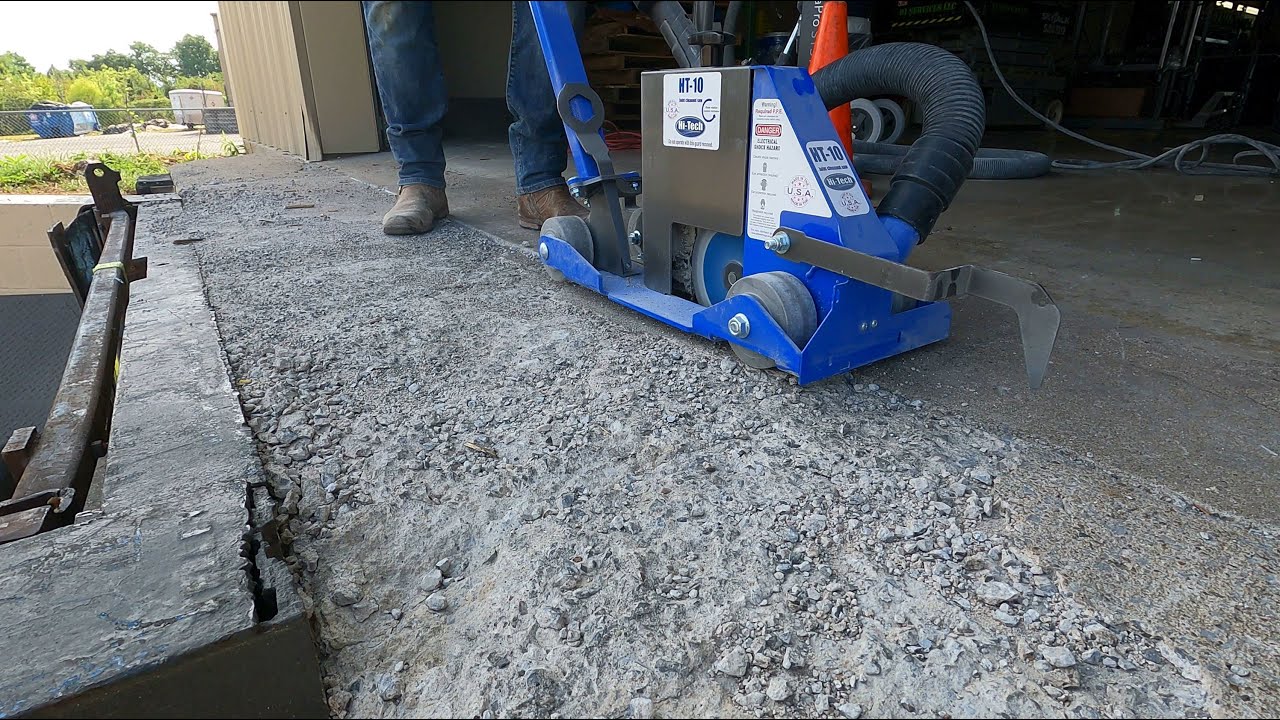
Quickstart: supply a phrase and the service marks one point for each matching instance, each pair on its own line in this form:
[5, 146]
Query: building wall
[301, 77]
[261, 52]
[338, 76]
[27, 263]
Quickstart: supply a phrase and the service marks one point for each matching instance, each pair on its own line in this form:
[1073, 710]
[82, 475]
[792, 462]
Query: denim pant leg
[537, 136]
[406, 63]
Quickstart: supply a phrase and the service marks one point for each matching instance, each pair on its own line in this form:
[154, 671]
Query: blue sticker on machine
[839, 181]
[690, 126]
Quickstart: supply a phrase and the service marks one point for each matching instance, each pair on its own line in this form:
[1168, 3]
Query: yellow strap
[109, 266]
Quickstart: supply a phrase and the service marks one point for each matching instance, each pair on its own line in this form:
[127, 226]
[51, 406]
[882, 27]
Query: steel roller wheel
[787, 301]
[572, 230]
[715, 266]
[705, 264]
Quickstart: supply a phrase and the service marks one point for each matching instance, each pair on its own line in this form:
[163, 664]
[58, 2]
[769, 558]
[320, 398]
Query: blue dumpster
[51, 119]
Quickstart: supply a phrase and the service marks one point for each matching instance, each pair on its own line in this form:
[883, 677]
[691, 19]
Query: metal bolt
[576, 192]
[739, 326]
[779, 243]
[543, 251]
[863, 327]
[634, 237]
[875, 324]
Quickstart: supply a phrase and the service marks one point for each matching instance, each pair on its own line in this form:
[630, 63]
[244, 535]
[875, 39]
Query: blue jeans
[406, 63]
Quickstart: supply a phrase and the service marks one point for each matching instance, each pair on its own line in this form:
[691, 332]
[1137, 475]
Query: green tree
[211, 82]
[152, 63]
[110, 59]
[88, 90]
[11, 63]
[195, 57]
[18, 92]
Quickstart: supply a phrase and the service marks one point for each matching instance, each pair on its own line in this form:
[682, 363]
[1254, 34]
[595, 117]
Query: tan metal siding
[337, 64]
[262, 57]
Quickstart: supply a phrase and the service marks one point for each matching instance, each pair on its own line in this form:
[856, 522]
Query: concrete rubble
[503, 496]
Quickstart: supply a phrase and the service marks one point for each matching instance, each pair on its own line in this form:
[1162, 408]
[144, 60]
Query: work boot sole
[406, 225]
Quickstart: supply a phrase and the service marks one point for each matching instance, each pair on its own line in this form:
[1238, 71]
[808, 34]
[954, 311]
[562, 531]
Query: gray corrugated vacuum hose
[937, 163]
[988, 164]
[676, 28]
[731, 28]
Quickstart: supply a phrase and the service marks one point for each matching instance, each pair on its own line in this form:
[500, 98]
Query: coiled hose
[930, 172]
[988, 164]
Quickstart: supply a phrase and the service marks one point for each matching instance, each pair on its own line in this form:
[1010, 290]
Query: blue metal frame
[564, 65]
[857, 325]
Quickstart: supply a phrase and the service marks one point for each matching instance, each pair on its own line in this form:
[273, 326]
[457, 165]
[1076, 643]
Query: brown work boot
[417, 209]
[535, 207]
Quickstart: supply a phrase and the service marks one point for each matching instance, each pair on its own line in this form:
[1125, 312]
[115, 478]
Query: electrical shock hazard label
[838, 180]
[691, 110]
[780, 178]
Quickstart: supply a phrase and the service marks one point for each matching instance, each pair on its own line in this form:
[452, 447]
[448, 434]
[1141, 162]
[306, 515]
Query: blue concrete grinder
[753, 227]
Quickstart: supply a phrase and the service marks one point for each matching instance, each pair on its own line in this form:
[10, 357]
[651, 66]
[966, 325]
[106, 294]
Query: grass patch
[26, 175]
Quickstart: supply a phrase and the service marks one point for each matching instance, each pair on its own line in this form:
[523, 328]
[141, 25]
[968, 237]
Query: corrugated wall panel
[261, 52]
[338, 61]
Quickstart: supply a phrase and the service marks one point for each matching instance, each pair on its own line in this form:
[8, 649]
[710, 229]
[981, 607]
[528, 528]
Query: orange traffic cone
[830, 44]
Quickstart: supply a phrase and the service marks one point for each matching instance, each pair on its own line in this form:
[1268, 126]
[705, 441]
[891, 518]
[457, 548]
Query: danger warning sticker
[780, 177]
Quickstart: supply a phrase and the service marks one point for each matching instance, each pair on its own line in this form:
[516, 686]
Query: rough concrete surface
[1166, 363]
[504, 496]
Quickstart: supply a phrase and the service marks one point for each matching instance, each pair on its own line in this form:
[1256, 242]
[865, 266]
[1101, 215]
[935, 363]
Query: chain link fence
[65, 133]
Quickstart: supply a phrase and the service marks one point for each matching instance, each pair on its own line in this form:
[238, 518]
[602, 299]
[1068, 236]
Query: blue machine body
[856, 322]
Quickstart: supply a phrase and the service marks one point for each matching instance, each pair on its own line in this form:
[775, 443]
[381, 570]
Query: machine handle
[1038, 316]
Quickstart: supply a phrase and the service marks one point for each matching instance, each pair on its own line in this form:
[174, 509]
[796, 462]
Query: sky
[52, 33]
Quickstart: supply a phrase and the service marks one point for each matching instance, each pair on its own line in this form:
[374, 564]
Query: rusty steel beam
[53, 486]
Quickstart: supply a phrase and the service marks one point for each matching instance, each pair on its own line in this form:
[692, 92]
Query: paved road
[158, 141]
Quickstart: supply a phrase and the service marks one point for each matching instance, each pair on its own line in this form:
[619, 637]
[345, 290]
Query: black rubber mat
[35, 336]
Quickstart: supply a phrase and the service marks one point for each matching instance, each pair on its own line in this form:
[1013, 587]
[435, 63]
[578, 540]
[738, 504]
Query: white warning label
[780, 178]
[691, 110]
[838, 180]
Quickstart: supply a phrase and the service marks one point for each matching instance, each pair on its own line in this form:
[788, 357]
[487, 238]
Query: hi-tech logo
[690, 126]
[838, 181]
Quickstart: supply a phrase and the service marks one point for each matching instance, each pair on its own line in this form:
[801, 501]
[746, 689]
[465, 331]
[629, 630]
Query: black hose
[730, 28]
[988, 164]
[937, 163]
[676, 28]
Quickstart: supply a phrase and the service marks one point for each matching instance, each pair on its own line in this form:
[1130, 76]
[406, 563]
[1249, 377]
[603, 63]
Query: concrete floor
[1166, 363]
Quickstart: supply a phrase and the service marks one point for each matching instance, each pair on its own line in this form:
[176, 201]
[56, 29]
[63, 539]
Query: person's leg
[538, 143]
[406, 64]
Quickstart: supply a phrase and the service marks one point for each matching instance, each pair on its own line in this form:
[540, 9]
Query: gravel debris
[996, 593]
[733, 664]
[1058, 657]
[388, 688]
[640, 708]
[779, 689]
[852, 712]
[656, 518]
